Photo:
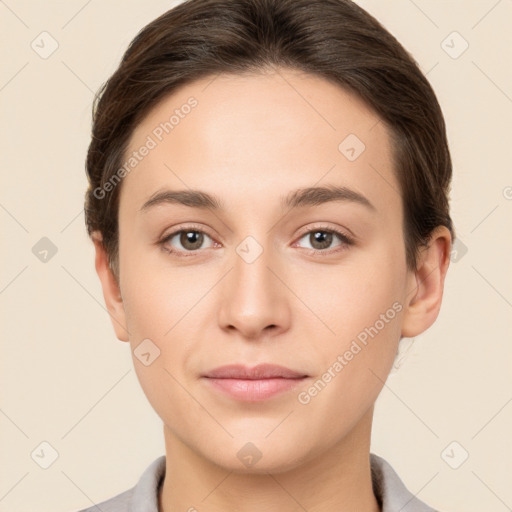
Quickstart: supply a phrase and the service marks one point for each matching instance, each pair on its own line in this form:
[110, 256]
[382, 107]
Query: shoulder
[144, 495]
[391, 491]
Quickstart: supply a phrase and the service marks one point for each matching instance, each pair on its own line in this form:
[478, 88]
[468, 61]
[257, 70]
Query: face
[266, 270]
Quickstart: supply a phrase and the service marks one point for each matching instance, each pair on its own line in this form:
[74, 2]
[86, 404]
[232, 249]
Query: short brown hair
[333, 39]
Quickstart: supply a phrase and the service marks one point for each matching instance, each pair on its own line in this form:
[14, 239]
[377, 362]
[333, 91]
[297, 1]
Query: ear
[111, 290]
[426, 284]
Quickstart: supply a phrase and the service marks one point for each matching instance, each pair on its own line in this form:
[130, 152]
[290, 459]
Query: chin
[258, 457]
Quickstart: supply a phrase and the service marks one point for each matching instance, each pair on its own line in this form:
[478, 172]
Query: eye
[322, 238]
[190, 240]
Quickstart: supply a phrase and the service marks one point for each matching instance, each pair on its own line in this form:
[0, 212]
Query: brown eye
[191, 240]
[321, 239]
[184, 240]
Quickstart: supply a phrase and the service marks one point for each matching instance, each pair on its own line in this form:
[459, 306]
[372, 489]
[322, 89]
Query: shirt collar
[388, 488]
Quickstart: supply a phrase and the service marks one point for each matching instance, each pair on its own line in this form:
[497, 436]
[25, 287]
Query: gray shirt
[389, 490]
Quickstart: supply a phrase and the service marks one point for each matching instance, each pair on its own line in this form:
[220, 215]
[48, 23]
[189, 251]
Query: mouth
[253, 384]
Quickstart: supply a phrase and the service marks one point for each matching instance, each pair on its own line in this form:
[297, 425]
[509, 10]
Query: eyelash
[346, 240]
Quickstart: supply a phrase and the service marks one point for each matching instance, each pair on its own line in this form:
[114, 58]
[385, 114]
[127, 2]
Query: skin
[250, 140]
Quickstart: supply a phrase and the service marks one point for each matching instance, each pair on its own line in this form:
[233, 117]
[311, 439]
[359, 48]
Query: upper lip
[261, 371]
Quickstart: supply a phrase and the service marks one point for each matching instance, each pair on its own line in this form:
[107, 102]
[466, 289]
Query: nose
[254, 301]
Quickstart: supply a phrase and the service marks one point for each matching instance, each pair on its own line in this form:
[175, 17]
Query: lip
[261, 371]
[254, 384]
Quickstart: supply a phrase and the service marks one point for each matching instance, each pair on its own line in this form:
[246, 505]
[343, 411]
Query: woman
[268, 200]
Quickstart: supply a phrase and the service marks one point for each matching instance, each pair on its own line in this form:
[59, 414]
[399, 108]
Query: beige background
[65, 378]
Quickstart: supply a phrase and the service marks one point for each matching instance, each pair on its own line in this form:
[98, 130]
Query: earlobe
[423, 300]
[111, 290]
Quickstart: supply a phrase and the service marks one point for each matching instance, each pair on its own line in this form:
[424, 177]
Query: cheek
[355, 364]
[157, 295]
[352, 296]
[361, 305]
[164, 305]
[159, 310]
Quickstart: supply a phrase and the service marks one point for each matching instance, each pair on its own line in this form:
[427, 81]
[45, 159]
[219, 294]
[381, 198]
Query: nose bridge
[252, 297]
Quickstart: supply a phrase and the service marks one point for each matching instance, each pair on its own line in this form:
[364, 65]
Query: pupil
[191, 237]
[323, 238]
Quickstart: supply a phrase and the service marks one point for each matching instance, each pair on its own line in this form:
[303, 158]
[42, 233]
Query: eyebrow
[303, 197]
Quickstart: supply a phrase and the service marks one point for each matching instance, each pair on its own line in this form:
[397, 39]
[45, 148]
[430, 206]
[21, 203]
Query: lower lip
[254, 390]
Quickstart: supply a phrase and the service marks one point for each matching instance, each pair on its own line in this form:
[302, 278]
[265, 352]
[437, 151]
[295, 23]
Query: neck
[338, 480]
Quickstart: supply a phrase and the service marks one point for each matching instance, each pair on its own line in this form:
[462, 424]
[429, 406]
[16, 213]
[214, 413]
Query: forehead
[255, 136]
